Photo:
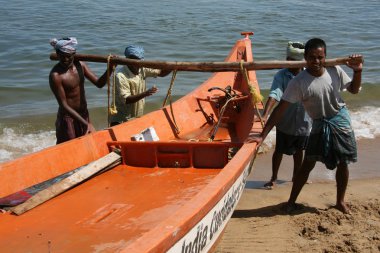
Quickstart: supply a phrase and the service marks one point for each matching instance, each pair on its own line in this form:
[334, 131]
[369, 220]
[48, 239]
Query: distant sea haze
[201, 30]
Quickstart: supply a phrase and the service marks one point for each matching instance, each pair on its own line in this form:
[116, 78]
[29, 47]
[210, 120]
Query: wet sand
[260, 225]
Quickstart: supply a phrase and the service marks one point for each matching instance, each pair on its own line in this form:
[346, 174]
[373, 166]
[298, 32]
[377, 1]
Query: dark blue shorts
[289, 144]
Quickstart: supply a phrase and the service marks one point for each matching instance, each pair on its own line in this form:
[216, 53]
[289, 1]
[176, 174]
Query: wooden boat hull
[176, 194]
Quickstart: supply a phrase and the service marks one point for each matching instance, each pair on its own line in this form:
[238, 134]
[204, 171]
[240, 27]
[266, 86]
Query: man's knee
[308, 165]
[342, 169]
[342, 166]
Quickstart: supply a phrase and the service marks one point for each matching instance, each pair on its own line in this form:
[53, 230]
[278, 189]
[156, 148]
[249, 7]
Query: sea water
[169, 30]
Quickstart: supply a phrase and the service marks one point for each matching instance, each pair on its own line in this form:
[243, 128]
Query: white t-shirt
[319, 95]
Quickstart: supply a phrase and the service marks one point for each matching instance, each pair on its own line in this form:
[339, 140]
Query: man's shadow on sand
[273, 210]
[260, 184]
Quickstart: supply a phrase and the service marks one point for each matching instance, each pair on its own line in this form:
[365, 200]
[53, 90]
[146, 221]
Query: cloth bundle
[295, 50]
[65, 45]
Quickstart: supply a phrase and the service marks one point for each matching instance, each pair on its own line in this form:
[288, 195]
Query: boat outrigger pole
[201, 66]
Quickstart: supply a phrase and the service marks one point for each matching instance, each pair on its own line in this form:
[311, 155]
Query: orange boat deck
[105, 221]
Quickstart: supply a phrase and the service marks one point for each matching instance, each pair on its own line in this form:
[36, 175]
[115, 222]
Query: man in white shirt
[332, 140]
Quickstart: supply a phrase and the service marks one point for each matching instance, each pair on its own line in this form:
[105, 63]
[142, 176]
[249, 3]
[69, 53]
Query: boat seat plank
[174, 154]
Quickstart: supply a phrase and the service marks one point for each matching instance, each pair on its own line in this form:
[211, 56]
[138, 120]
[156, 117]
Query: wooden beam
[100, 165]
[201, 66]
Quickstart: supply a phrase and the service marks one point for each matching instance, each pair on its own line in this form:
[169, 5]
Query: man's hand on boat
[90, 128]
[255, 138]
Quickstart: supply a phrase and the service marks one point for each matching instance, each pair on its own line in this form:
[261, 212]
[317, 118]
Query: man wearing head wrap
[134, 52]
[66, 81]
[295, 51]
[293, 130]
[131, 88]
[65, 45]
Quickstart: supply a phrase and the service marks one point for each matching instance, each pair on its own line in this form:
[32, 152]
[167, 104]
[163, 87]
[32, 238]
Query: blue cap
[134, 50]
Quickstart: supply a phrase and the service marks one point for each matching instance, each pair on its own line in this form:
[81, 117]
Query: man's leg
[297, 160]
[276, 162]
[341, 176]
[300, 180]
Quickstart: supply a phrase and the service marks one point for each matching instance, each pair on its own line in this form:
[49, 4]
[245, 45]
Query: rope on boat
[112, 110]
[211, 139]
[169, 96]
[169, 93]
[255, 97]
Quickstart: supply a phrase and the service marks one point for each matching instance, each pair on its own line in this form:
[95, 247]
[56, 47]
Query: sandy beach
[260, 225]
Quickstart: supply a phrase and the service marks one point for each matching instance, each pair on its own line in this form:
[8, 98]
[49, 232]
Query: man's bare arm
[271, 102]
[274, 118]
[134, 98]
[98, 82]
[164, 73]
[356, 65]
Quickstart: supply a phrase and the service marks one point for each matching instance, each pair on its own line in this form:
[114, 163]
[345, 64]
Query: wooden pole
[201, 66]
[110, 160]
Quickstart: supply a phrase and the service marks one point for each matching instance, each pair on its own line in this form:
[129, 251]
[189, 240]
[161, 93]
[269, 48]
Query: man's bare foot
[269, 185]
[342, 207]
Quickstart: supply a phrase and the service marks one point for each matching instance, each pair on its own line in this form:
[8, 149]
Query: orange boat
[172, 192]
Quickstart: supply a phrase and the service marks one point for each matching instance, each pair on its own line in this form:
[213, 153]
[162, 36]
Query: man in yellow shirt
[131, 87]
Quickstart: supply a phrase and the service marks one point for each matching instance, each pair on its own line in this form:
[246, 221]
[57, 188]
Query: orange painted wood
[88, 171]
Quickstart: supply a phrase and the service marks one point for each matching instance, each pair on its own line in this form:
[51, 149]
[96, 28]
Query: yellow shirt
[128, 84]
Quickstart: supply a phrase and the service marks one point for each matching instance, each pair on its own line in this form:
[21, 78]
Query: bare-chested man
[67, 83]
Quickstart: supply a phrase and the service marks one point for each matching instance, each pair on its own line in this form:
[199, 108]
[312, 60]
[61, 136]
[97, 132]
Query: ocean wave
[14, 143]
[18, 141]
[365, 122]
